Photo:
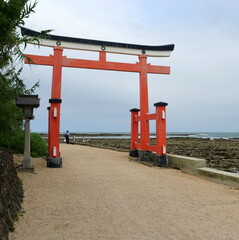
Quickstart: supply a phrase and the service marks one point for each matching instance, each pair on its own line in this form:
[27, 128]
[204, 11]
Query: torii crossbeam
[59, 43]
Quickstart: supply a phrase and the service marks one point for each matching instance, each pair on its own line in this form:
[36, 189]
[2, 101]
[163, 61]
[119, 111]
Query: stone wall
[11, 193]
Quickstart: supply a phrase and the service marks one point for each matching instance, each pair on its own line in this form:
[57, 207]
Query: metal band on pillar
[55, 100]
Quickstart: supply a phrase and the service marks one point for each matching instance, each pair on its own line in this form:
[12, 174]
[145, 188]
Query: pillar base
[54, 162]
[158, 160]
[26, 169]
[161, 160]
[144, 155]
[134, 153]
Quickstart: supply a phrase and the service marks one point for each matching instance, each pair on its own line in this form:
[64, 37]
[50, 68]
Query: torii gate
[59, 43]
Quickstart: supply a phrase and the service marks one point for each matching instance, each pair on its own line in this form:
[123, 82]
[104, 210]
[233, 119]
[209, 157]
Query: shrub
[17, 142]
[38, 144]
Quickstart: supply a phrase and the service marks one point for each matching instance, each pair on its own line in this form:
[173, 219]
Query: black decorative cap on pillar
[55, 100]
[134, 110]
[161, 104]
[48, 108]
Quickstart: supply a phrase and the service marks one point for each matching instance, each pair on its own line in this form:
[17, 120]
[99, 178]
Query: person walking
[67, 137]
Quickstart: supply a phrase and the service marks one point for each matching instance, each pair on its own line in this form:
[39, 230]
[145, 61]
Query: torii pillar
[144, 104]
[54, 159]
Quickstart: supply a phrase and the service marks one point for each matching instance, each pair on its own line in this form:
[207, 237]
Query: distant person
[67, 137]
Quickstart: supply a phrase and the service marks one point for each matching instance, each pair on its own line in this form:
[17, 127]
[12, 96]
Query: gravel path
[100, 194]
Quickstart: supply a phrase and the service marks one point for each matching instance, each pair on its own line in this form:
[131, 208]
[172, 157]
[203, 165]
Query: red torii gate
[57, 60]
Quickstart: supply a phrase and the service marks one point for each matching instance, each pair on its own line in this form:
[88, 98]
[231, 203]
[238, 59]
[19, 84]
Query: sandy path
[100, 194]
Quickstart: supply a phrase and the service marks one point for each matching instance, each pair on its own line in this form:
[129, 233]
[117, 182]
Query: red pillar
[144, 106]
[134, 132]
[48, 108]
[54, 118]
[161, 133]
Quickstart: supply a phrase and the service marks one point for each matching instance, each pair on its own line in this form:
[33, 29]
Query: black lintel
[29, 32]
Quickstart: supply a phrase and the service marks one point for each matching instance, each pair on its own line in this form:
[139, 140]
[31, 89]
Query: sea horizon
[210, 135]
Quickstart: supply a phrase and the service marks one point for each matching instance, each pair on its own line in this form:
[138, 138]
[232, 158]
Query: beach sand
[100, 195]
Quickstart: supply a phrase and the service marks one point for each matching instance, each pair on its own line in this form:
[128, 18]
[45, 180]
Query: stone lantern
[27, 103]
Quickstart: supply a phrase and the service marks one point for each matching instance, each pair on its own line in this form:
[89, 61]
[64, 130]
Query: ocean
[123, 135]
[211, 135]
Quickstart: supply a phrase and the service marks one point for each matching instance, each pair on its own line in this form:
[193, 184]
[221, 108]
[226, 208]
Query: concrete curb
[186, 164]
[231, 179]
[198, 167]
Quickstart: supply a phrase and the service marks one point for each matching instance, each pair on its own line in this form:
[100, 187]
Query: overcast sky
[201, 91]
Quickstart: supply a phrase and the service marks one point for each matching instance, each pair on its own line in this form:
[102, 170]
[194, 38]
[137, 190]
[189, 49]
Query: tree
[10, 115]
[12, 15]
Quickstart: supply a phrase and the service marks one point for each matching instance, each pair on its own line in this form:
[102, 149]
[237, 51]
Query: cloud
[201, 90]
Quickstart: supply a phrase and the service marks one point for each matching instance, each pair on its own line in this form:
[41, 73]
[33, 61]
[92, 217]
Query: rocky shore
[219, 153]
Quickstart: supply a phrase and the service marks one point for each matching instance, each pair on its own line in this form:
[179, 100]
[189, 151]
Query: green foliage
[12, 15]
[38, 144]
[16, 142]
[10, 115]
[20, 214]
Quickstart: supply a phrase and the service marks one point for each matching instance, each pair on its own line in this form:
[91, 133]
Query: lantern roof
[28, 100]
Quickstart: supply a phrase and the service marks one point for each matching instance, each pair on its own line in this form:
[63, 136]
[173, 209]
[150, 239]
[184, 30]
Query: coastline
[220, 150]
[201, 135]
[221, 154]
